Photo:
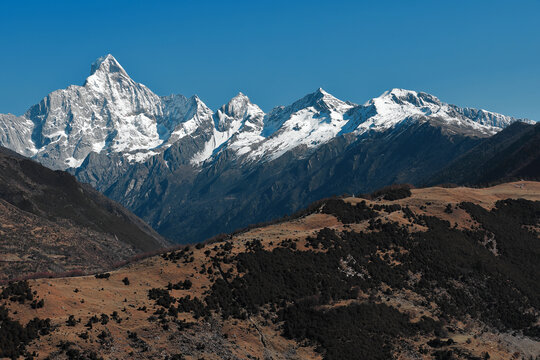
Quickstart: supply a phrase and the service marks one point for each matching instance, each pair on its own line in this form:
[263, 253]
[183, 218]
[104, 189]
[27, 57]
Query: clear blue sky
[482, 54]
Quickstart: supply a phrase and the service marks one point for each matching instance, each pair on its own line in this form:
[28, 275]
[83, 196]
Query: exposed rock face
[16, 133]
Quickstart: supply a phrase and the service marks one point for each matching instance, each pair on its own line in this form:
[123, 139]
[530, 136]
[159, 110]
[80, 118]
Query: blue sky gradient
[483, 54]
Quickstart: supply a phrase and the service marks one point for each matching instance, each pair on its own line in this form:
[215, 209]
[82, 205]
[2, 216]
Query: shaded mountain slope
[188, 206]
[510, 154]
[67, 225]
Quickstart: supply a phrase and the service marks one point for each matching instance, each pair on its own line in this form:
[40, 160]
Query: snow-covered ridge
[398, 105]
[111, 113]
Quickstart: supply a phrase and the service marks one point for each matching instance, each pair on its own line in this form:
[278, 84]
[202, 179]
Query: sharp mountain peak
[107, 64]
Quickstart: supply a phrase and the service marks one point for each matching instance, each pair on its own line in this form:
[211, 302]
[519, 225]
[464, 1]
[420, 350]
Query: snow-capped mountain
[192, 172]
[397, 105]
[111, 113]
[319, 117]
[310, 121]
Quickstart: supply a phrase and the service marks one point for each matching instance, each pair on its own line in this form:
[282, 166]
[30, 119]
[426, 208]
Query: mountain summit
[107, 64]
[238, 109]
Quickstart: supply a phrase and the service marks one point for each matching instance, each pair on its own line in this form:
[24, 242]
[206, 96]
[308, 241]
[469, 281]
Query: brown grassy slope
[253, 337]
[30, 244]
[50, 222]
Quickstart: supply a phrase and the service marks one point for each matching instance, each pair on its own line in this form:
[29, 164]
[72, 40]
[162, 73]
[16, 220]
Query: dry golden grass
[87, 296]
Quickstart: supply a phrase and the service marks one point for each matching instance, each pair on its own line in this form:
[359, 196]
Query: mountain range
[192, 172]
[438, 271]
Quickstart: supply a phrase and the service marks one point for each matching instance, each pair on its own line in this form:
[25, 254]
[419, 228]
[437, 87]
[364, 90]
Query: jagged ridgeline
[192, 172]
[433, 273]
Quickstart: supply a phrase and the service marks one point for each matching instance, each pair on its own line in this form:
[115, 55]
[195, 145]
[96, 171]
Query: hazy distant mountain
[510, 154]
[172, 159]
